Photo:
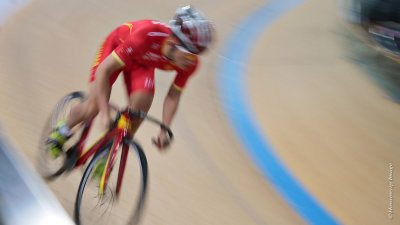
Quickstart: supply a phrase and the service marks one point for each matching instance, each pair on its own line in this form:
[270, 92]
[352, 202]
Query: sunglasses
[186, 54]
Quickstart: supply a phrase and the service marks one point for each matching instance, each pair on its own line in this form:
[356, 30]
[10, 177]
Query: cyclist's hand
[162, 142]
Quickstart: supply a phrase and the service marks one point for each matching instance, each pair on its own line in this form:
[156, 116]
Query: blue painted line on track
[232, 83]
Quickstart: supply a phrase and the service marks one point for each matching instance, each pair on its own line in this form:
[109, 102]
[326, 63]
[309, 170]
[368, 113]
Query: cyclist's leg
[140, 88]
[87, 109]
[79, 113]
[140, 101]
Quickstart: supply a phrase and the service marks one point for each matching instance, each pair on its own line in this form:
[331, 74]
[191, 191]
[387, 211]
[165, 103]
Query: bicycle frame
[118, 132]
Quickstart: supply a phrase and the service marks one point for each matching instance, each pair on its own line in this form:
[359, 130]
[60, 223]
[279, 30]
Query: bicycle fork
[124, 156]
[124, 125]
[110, 162]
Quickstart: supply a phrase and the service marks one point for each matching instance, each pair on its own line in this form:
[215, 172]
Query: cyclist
[136, 49]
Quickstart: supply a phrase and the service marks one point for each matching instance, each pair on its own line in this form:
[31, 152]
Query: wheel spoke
[91, 208]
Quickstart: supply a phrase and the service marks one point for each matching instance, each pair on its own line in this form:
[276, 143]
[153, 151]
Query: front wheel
[108, 207]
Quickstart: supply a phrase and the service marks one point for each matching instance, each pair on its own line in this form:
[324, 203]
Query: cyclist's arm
[102, 83]
[172, 99]
[171, 103]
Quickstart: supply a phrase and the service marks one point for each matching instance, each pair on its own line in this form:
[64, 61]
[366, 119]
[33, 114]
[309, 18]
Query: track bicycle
[96, 186]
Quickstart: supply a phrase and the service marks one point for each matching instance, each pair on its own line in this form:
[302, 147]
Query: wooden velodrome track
[330, 125]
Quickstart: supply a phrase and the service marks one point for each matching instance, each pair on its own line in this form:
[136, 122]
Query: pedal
[72, 159]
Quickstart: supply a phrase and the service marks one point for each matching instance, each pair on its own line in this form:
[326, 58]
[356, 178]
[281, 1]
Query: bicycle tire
[44, 161]
[144, 169]
[132, 219]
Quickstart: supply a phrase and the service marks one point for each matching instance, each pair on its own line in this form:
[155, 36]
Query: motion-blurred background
[322, 82]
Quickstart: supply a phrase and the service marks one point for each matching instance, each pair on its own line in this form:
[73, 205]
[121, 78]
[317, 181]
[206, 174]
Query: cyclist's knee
[91, 108]
[141, 101]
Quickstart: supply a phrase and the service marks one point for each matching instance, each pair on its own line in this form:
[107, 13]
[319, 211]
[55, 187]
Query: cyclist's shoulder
[148, 31]
[148, 24]
[191, 69]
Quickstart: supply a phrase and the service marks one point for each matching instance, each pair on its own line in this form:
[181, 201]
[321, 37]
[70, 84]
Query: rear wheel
[108, 208]
[49, 166]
